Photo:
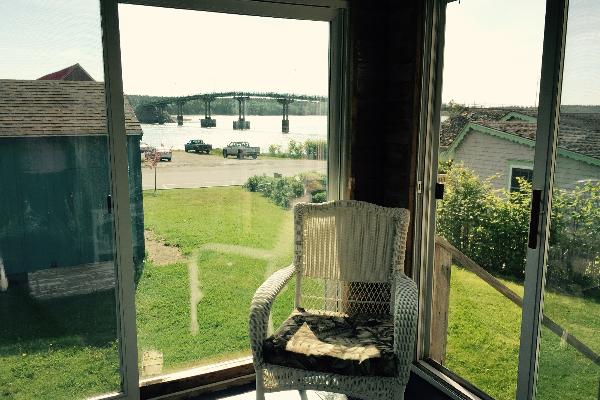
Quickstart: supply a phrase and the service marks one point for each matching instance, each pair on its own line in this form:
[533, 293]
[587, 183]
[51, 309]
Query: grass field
[483, 341]
[232, 240]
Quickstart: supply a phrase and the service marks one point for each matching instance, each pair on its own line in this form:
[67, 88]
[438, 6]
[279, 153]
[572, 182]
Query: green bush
[574, 253]
[487, 225]
[275, 150]
[315, 149]
[281, 190]
[491, 226]
[295, 149]
[319, 197]
[253, 182]
[310, 149]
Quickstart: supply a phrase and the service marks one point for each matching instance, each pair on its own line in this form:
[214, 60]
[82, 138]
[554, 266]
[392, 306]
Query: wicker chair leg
[303, 394]
[398, 394]
[260, 388]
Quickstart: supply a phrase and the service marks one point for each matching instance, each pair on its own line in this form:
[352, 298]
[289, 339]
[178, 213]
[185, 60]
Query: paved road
[190, 170]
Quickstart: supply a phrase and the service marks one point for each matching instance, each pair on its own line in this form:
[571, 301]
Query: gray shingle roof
[578, 132]
[56, 108]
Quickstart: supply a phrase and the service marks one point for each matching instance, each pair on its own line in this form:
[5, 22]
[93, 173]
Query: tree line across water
[223, 106]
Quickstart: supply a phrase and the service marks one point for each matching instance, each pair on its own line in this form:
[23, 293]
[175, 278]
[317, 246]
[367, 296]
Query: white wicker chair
[349, 260]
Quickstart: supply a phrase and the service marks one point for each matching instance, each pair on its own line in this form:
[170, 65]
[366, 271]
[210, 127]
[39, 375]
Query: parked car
[161, 153]
[144, 147]
[241, 150]
[198, 146]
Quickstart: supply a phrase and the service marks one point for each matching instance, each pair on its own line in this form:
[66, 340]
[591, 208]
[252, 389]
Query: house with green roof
[499, 144]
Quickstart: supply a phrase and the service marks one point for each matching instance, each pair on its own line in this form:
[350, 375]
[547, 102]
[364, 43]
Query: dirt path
[159, 253]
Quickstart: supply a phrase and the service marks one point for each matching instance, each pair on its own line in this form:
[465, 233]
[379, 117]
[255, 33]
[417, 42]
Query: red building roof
[73, 73]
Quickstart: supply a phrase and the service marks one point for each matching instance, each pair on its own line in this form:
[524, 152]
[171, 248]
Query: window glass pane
[570, 339]
[217, 200]
[58, 325]
[492, 62]
[518, 174]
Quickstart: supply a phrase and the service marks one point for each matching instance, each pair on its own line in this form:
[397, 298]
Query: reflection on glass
[489, 116]
[218, 199]
[58, 330]
[568, 358]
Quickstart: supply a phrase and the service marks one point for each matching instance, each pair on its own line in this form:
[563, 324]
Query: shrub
[314, 181]
[315, 149]
[574, 253]
[319, 197]
[281, 190]
[275, 150]
[491, 227]
[295, 149]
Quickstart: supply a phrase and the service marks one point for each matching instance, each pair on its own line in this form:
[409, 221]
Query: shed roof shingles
[56, 108]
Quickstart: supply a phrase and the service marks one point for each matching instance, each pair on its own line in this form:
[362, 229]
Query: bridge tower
[207, 121]
[160, 113]
[241, 123]
[179, 113]
[285, 122]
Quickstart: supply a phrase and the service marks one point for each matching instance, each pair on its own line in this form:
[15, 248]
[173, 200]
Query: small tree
[153, 158]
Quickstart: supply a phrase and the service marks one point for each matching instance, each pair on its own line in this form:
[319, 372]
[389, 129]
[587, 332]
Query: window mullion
[118, 165]
[544, 162]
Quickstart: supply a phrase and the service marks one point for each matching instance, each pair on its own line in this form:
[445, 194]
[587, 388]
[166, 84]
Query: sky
[493, 52]
[178, 52]
[492, 56]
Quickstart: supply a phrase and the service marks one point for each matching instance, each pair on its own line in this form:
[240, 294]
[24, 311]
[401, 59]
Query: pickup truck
[241, 150]
[198, 146]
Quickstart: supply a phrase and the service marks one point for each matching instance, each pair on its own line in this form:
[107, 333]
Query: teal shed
[54, 176]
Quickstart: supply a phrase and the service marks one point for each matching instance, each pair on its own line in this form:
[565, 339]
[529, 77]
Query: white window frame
[544, 164]
[332, 11]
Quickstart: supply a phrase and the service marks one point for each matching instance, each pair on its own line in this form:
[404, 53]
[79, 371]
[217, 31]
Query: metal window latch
[534, 219]
[439, 191]
[109, 205]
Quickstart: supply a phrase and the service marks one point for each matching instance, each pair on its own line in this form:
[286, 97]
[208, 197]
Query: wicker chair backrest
[349, 240]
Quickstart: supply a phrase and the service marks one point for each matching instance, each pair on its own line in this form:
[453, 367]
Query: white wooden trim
[125, 287]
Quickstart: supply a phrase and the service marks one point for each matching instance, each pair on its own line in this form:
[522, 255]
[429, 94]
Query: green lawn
[483, 341]
[57, 349]
[233, 240]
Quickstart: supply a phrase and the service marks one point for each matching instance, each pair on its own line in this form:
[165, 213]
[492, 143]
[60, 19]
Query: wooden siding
[54, 204]
[489, 156]
[56, 108]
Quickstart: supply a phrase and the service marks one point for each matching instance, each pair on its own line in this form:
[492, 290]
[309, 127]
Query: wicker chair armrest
[260, 309]
[405, 323]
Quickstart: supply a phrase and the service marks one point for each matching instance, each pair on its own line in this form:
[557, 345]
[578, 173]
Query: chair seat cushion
[348, 345]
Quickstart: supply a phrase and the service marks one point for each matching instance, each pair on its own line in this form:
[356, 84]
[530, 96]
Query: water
[264, 131]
